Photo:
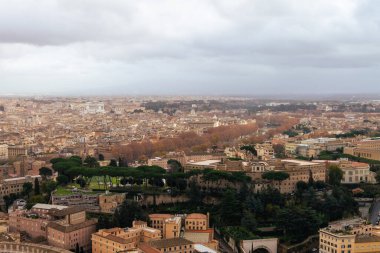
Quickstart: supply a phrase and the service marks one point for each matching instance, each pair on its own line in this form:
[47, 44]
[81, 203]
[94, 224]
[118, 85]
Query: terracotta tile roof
[167, 243]
[196, 216]
[148, 249]
[160, 215]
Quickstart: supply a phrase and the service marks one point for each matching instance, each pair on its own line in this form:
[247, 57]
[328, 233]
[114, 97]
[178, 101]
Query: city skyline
[193, 47]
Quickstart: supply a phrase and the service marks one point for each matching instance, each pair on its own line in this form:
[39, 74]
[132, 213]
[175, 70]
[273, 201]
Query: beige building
[3, 152]
[349, 236]
[369, 149]
[298, 170]
[174, 245]
[196, 221]
[120, 239]
[172, 227]
[264, 151]
[353, 172]
[14, 185]
[157, 220]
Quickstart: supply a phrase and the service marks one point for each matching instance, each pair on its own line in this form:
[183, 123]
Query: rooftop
[299, 162]
[205, 163]
[166, 243]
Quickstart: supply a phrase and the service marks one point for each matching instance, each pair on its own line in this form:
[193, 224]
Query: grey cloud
[195, 46]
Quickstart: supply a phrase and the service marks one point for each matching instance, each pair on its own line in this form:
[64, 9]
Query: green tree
[113, 163]
[249, 221]
[298, 222]
[45, 172]
[48, 187]
[311, 179]
[335, 175]
[194, 193]
[27, 188]
[91, 162]
[36, 186]
[230, 209]
[174, 166]
[127, 212]
[62, 180]
[35, 200]
[279, 150]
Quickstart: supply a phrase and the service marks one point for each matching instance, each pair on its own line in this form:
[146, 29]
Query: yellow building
[120, 239]
[298, 170]
[196, 221]
[157, 220]
[172, 228]
[174, 245]
[349, 236]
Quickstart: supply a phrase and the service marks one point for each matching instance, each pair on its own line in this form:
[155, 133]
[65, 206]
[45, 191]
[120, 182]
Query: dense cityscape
[189, 174]
[198, 126]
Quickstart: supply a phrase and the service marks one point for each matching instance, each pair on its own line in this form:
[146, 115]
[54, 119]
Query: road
[223, 246]
[375, 211]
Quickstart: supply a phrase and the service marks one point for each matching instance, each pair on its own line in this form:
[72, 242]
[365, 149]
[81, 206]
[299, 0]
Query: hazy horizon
[196, 47]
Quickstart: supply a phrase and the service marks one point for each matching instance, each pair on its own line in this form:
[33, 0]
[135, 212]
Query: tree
[301, 186]
[127, 212]
[36, 187]
[81, 182]
[230, 209]
[279, 150]
[45, 172]
[311, 179]
[27, 188]
[194, 193]
[335, 175]
[35, 200]
[62, 180]
[298, 222]
[174, 166]
[113, 163]
[48, 187]
[91, 162]
[249, 148]
[249, 221]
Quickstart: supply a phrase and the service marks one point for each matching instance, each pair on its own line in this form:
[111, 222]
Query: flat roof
[203, 249]
[205, 163]
[300, 162]
[48, 207]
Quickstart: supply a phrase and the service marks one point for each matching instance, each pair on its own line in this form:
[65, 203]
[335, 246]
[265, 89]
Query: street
[375, 211]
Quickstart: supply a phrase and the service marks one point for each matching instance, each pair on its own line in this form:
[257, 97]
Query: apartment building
[196, 221]
[264, 151]
[369, 149]
[16, 151]
[349, 236]
[193, 227]
[15, 185]
[298, 170]
[353, 172]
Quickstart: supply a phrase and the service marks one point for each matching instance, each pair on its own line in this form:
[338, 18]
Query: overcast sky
[90, 47]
